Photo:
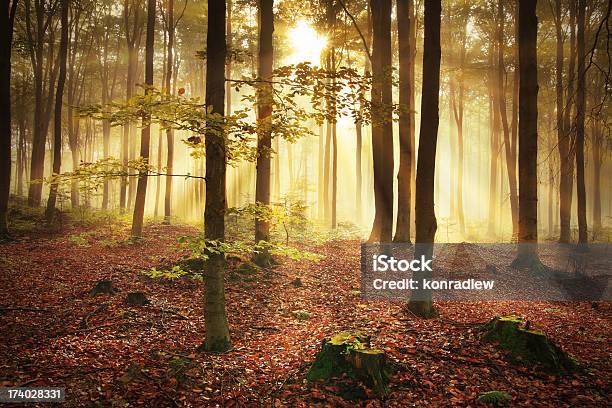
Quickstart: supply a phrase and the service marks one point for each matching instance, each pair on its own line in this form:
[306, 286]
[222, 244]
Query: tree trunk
[57, 120]
[426, 226]
[528, 137]
[145, 135]
[382, 126]
[597, 162]
[551, 183]
[334, 174]
[566, 145]
[562, 139]
[42, 99]
[494, 147]
[404, 176]
[264, 117]
[510, 159]
[217, 330]
[169, 131]
[159, 169]
[580, 114]
[7, 16]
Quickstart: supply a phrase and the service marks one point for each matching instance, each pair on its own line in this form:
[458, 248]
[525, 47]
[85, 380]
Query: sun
[306, 43]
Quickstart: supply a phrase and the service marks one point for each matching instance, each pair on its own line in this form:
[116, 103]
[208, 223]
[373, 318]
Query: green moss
[494, 397]
[525, 345]
[349, 354]
[301, 314]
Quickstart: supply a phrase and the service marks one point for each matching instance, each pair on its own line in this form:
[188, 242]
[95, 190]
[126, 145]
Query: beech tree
[527, 255]
[580, 114]
[425, 216]
[382, 130]
[7, 19]
[217, 330]
[145, 135]
[404, 176]
[264, 123]
[57, 119]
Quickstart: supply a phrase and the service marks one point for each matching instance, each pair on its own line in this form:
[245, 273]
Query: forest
[330, 203]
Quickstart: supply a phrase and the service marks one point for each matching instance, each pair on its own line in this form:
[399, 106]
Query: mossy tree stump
[350, 354]
[527, 346]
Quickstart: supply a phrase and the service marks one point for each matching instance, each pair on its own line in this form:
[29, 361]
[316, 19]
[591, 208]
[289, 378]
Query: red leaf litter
[105, 353]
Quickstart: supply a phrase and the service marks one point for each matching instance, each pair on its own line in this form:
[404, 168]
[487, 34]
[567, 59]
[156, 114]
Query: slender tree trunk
[57, 120]
[321, 175]
[426, 226]
[411, 80]
[494, 148]
[326, 170]
[334, 174]
[597, 162]
[334, 202]
[159, 169]
[217, 330]
[404, 176]
[382, 127]
[528, 137]
[566, 145]
[580, 114]
[562, 139]
[551, 184]
[39, 137]
[145, 136]
[510, 160]
[21, 161]
[277, 170]
[264, 117]
[7, 16]
[169, 131]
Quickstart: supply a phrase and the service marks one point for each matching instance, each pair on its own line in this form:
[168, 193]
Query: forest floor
[53, 333]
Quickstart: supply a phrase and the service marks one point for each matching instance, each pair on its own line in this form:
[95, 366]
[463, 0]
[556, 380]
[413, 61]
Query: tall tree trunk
[217, 330]
[494, 147]
[413, 36]
[404, 176]
[510, 160]
[145, 135]
[334, 174]
[551, 184]
[426, 226]
[566, 145]
[57, 120]
[169, 131]
[264, 119]
[21, 160]
[458, 109]
[597, 162]
[382, 126]
[562, 136]
[7, 18]
[326, 159]
[580, 114]
[42, 99]
[133, 33]
[528, 137]
[320, 174]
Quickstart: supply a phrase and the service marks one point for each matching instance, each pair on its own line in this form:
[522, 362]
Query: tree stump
[137, 299]
[104, 286]
[350, 354]
[527, 346]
